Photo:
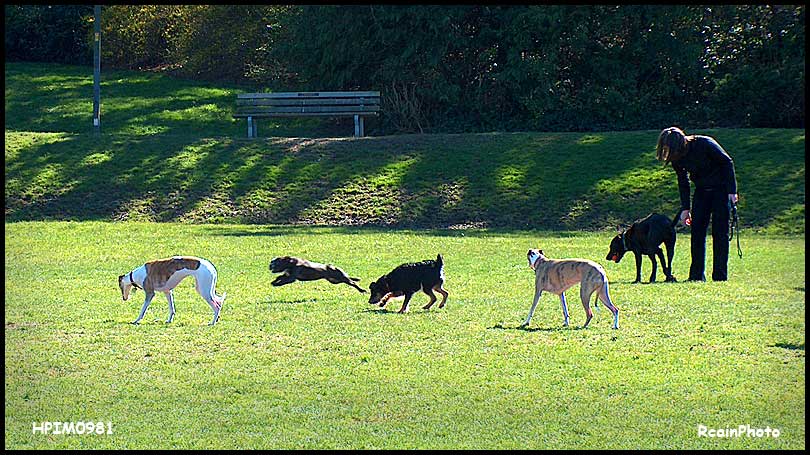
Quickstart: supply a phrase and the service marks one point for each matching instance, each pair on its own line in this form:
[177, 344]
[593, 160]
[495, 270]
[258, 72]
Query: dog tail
[676, 219]
[439, 262]
[354, 279]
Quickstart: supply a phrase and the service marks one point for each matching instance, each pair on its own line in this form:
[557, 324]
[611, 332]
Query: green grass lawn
[312, 365]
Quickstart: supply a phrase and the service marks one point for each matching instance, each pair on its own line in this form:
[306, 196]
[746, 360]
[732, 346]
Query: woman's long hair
[671, 145]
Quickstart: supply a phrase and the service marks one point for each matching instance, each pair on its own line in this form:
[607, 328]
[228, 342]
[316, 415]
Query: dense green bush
[207, 42]
[48, 33]
[140, 36]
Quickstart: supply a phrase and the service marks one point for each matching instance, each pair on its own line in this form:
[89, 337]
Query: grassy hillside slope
[170, 151]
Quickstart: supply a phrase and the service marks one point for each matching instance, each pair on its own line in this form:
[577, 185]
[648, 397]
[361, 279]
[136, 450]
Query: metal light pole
[97, 69]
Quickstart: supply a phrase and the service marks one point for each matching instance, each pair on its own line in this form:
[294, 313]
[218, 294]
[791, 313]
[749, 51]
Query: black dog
[644, 237]
[301, 269]
[406, 279]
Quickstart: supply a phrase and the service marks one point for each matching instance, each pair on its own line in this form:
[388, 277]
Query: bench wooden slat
[302, 114]
[308, 102]
[270, 110]
[309, 95]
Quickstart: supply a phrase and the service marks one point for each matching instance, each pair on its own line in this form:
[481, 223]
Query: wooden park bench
[307, 104]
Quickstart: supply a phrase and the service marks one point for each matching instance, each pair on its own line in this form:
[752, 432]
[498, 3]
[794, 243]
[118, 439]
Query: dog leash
[734, 225]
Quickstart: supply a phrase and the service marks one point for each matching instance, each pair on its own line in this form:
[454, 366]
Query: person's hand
[733, 198]
[686, 218]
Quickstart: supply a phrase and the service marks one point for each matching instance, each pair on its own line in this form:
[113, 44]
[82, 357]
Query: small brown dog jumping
[300, 269]
[557, 275]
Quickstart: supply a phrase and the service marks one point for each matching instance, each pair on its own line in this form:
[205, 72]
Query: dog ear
[541, 252]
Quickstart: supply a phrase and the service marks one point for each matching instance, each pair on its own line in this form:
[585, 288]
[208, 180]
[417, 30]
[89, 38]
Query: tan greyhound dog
[163, 275]
[558, 275]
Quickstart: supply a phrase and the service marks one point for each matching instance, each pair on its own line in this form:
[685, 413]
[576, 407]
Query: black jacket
[707, 165]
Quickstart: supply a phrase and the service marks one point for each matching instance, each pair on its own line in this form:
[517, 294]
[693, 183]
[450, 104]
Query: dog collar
[131, 280]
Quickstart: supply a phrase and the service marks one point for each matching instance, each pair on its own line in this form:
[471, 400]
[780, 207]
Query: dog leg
[206, 290]
[585, 292]
[215, 307]
[537, 294]
[350, 283]
[667, 270]
[564, 309]
[444, 294]
[385, 299]
[149, 295]
[281, 280]
[660, 254]
[170, 298]
[670, 254]
[404, 308]
[638, 267]
[604, 296]
[432, 299]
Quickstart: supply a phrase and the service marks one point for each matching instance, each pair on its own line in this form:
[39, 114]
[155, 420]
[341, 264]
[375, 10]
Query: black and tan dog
[407, 279]
[644, 237]
[300, 269]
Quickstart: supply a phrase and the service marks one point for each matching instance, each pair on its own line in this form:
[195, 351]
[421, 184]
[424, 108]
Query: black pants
[709, 202]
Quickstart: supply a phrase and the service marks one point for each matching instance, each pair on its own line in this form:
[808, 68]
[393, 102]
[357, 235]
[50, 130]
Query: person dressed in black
[703, 161]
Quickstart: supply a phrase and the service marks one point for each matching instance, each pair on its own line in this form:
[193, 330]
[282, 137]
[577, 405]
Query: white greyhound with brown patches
[557, 275]
[163, 275]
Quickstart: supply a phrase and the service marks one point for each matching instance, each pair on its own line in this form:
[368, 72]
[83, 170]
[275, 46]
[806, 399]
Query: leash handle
[734, 224]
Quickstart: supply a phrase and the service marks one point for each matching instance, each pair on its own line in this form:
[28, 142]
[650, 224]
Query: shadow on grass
[411, 310]
[300, 229]
[288, 302]
[536, 329]
[378, 310]
[789, 346]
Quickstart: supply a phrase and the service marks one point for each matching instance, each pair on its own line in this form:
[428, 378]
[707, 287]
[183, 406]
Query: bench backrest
[307, 104]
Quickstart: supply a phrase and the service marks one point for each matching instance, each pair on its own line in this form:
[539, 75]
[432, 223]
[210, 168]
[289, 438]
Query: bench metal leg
[255, 128]
[358, 126]
[250, 127]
